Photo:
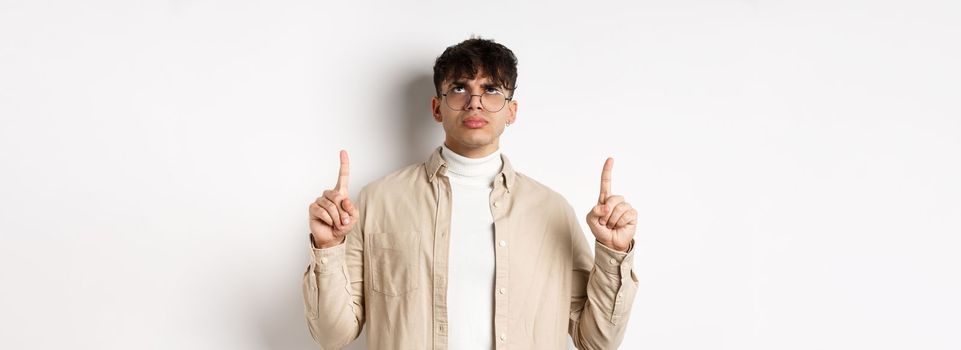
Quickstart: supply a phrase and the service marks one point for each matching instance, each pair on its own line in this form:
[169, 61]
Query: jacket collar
[437, 166]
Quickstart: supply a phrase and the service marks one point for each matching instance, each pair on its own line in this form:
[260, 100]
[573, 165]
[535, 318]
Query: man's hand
[612, 220]
[332, 215]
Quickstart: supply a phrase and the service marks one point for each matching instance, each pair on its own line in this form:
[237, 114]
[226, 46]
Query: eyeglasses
[491, 100]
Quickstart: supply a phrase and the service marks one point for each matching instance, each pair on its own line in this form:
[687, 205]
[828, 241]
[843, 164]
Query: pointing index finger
[344, 171]
[606, 180]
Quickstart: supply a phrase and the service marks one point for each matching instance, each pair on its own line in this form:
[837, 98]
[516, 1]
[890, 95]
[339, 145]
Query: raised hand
[613, 221]
[332, 215]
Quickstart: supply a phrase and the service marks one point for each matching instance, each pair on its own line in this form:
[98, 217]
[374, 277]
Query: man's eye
[492, 90]
[457, 89]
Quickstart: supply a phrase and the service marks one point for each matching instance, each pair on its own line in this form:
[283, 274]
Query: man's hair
[463, 60]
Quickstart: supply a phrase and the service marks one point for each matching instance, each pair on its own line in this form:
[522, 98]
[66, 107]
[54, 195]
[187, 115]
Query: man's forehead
[481, 78]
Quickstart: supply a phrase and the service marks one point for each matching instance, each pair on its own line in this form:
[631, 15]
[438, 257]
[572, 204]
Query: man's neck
[479, 152]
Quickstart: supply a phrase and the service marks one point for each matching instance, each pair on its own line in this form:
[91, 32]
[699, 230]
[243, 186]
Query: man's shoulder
[533, 190]
[403, 179]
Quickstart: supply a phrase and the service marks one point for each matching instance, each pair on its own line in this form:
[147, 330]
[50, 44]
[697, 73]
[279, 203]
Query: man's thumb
[599, 210]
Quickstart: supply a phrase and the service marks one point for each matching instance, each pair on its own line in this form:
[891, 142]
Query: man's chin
[472, 143]
[478, 143]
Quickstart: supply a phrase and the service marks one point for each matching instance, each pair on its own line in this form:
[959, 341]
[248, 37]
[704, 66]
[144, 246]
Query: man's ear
[513, 108]
[435, 109]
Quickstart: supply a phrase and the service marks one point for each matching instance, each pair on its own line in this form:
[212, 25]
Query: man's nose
[473, 103]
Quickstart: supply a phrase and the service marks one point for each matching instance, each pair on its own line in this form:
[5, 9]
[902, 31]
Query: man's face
[473, 131]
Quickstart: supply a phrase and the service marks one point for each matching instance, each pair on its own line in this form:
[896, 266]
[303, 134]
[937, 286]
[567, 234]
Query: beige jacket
[391, 272]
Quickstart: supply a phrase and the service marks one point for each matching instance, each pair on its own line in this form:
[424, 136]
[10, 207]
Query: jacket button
[503, 337]
[503, 243]
[496, 204]
[502, 291]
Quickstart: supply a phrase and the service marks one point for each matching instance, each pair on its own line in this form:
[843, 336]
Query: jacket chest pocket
[394, 262]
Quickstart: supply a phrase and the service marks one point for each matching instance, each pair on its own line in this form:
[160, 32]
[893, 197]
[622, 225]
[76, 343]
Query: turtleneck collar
[472, 171]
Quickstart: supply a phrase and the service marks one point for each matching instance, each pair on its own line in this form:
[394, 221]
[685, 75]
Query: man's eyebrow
[463, 82]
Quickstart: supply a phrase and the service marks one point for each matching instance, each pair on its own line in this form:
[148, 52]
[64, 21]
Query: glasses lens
[493, 102]
[457, 100]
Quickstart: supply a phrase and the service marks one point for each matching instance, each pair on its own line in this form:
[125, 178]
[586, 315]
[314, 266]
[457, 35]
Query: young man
[461, 251]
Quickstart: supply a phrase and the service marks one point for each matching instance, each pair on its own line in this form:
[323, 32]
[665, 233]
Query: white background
[796, 164]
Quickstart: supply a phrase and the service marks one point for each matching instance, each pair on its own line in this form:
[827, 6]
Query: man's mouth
[475, 122]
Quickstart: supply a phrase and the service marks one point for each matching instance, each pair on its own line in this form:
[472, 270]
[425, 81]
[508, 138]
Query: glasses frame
[471, 98]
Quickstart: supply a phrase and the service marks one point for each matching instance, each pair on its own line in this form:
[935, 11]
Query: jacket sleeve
[603, 290]
[334, 288]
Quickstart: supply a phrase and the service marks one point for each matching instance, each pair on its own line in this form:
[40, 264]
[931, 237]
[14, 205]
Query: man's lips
[475, 122]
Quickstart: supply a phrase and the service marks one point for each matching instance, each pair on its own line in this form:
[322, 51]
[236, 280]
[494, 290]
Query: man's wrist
[626, 249]
[326, 245]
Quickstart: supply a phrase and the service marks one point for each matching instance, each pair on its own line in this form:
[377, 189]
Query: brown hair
[463, 60]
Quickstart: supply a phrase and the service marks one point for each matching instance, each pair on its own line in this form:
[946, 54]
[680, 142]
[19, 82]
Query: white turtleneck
[470, 288]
